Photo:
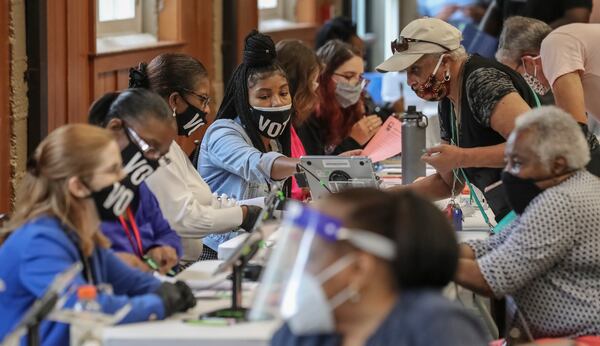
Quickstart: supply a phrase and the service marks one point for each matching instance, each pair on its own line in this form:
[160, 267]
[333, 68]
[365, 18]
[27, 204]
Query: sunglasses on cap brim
[401, 44]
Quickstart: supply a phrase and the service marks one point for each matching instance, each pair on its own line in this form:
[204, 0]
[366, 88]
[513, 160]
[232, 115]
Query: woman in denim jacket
[246, 149]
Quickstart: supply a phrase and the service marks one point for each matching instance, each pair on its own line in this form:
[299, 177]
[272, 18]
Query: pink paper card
[387, 142]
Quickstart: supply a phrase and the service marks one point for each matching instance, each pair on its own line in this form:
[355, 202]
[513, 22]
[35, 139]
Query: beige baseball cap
[421, 36]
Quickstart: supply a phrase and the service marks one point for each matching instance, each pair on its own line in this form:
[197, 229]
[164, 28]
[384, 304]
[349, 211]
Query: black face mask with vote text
[189, 120]
[113, 200]
[271, 122]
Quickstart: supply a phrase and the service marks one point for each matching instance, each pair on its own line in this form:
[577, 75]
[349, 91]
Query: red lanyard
[136, 233]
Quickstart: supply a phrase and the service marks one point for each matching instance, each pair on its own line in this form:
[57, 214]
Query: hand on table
[165, 257]
[444, 157]
[365, 129]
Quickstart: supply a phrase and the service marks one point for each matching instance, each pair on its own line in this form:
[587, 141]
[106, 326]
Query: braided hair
[259, 62]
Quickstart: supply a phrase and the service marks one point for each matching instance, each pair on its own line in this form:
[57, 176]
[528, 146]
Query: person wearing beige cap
[479, 100]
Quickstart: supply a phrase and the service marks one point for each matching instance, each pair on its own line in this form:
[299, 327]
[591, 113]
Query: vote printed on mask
[113, 201]
[271, 122]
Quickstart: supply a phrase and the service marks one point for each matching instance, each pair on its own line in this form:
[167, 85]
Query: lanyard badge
[454, 215]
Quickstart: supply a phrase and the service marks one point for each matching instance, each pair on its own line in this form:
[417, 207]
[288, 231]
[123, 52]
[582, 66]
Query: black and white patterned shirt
[548, 259]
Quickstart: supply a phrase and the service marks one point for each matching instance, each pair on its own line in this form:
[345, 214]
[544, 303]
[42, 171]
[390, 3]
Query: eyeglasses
[401, 44]
[149, 151]
[360, 79]
[204, 100]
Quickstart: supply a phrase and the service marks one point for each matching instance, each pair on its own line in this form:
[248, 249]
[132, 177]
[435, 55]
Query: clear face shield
[294, 286]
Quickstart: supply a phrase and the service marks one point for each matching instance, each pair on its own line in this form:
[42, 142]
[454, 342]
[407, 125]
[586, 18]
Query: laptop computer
[329, 174]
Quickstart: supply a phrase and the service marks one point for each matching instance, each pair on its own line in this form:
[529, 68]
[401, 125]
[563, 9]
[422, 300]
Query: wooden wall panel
[247, 19]
[57, 64]
[79, 44]
[77, 75]
[5, 170]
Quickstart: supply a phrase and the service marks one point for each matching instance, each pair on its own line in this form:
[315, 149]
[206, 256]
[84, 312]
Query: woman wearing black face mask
[144, 129]
[55, 225]
[246, 148]
[479, 100]
[547, 258]
[185, 198]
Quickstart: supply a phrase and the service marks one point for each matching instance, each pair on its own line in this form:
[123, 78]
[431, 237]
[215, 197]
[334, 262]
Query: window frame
[277, 12]
[120, 26]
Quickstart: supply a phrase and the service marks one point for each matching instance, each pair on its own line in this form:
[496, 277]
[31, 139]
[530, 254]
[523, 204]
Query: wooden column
[5, 170]
[70, 41]
[247, 19]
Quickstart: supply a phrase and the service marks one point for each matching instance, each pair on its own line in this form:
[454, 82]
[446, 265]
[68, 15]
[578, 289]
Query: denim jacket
[230, 164]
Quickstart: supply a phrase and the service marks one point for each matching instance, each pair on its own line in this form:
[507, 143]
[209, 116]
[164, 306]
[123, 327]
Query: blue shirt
[154, 229]
[419, 318]
[39, 250]
[230, 164]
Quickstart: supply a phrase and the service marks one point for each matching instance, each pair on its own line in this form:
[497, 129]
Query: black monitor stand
[236, 311]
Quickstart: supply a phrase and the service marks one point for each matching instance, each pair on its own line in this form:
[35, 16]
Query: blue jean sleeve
[228, 150]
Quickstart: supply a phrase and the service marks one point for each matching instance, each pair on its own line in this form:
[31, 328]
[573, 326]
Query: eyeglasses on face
[360, 79]
[204, 100]
[149, 151]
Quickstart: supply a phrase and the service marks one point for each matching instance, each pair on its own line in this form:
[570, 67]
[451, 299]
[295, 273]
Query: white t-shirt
[185, 199]
[575, 47]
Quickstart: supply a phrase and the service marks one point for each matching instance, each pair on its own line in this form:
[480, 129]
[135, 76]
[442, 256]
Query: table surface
[176, 330]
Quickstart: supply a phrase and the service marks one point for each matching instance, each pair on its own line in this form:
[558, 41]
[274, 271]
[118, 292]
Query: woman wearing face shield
[339, 123]
[479, 100]
[365, 268]
[56, 224]
[184, 197]
[142, 124]
[519, 48]
[247, 148]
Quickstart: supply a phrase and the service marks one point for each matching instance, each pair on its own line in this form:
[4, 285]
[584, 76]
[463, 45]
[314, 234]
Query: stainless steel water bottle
[414, 126]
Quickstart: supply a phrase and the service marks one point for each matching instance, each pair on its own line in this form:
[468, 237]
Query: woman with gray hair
[521, 46]
[479, 100]
[547, 259]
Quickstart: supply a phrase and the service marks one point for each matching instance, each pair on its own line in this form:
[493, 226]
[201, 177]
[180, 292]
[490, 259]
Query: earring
[354, 295]
[174, 113]
[447, 76]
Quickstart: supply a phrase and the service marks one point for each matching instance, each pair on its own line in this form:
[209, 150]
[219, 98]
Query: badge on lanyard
[454, 215]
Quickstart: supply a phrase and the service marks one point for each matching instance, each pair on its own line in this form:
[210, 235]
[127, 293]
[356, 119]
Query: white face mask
[347, 94]
[305, 306]
[532, 80]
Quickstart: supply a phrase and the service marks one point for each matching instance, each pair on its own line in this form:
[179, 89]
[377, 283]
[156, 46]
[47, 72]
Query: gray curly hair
[554, 133]
[521, 35]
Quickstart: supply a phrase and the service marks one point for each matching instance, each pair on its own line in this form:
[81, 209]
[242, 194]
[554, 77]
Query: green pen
[152, 264]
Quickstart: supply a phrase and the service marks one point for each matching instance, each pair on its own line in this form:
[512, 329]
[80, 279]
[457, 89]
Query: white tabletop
[175, 331]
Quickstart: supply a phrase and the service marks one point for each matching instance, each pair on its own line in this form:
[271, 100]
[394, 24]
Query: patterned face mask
[532, 80]
[434, 89]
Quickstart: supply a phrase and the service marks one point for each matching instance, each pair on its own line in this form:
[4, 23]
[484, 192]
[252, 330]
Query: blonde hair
[69, 151]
